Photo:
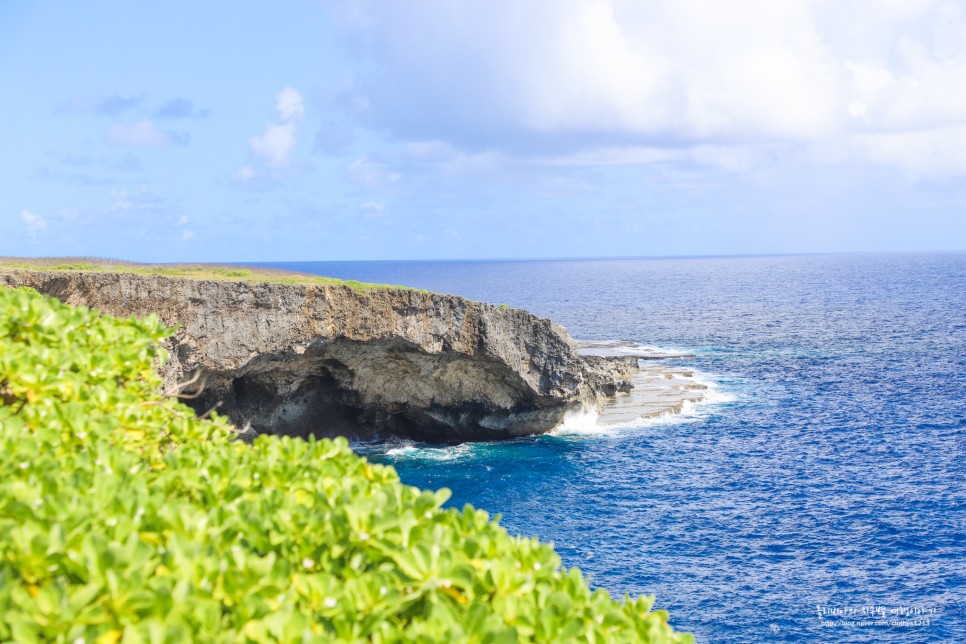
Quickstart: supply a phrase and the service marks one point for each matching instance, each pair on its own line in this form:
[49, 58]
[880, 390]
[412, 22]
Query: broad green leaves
[125, 518]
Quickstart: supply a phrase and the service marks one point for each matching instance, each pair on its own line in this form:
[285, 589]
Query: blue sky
[308, 130]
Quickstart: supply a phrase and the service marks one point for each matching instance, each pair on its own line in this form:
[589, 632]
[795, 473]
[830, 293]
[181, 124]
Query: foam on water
[579, 422]
[411, 450]
[587, 422]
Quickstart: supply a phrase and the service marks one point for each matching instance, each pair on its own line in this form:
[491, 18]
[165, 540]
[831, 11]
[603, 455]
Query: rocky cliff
[303, 359]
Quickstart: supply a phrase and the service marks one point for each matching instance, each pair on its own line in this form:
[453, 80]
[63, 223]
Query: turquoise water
[829, 474]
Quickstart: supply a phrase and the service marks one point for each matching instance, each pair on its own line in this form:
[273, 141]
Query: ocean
[818, 496]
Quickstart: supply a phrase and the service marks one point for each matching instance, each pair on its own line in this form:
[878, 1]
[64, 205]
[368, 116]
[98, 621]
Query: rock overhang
[305, 360]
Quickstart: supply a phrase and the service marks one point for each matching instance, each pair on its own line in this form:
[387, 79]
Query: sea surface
[827, 474]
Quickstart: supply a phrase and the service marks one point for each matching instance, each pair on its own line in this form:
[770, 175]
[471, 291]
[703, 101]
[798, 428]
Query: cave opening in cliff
[378, 389]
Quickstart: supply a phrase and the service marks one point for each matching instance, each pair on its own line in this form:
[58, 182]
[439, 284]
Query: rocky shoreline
[326, 360]
[656, 389]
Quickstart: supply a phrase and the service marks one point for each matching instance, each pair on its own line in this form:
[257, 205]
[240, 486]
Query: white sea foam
[587, 422]
[616, 348]
[712, 397]
[581, 421]
[407, 449]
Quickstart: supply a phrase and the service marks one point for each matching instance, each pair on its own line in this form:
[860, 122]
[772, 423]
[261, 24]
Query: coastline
[321, 358]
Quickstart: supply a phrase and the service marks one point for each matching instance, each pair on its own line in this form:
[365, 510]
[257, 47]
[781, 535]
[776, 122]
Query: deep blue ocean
[830, 475]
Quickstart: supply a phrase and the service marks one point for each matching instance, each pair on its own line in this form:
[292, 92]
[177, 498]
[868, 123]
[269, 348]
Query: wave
[629, 348]
[588, 422]
[409, 450]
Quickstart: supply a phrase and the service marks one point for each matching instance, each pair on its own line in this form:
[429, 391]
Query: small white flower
[382, 591]
[307, 563]
[329, 602]
[363, 536]
[23, 466]
[537, 566]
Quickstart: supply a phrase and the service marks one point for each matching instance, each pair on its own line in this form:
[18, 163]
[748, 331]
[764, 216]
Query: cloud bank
[873, 80]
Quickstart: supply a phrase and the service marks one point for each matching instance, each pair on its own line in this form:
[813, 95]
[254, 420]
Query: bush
[124, 517]
[232, 272]
[76, 266]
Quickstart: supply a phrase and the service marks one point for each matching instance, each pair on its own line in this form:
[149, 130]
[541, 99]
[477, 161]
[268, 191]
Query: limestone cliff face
[328, 360]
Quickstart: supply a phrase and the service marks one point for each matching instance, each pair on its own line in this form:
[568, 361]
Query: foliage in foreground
[124, 517]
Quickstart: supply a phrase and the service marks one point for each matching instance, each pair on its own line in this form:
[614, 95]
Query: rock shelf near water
[656, 390]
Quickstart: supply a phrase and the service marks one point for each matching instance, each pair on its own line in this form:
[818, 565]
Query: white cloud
[144, 133]
[121, 201]
[187, 234]
[371, 173]
[289, 104]
[139, 198]
[453, 159]
[182, 220]
[939, 151]
[276, 144]
[566, 76]
[278, 141]
[731, 158]
[244, 173]
[32, 222]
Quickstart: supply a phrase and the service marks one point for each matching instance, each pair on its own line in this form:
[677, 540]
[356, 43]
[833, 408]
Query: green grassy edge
[220, 272]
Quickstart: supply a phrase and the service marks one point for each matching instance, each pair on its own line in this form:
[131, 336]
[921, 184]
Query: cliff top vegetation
[220, 272]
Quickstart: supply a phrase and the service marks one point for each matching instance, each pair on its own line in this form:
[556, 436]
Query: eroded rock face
[327, 360]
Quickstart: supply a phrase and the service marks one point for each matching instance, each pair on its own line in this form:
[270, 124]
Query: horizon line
[235, 262]
[606, 257]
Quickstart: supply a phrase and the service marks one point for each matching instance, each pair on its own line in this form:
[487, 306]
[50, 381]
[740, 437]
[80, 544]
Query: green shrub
[233, 272]
[76, 266]
[124, 517]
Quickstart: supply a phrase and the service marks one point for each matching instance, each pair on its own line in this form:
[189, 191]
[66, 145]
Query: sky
[367, 130]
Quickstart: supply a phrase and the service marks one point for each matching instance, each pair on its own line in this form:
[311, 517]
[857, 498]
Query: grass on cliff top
[220, 272]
